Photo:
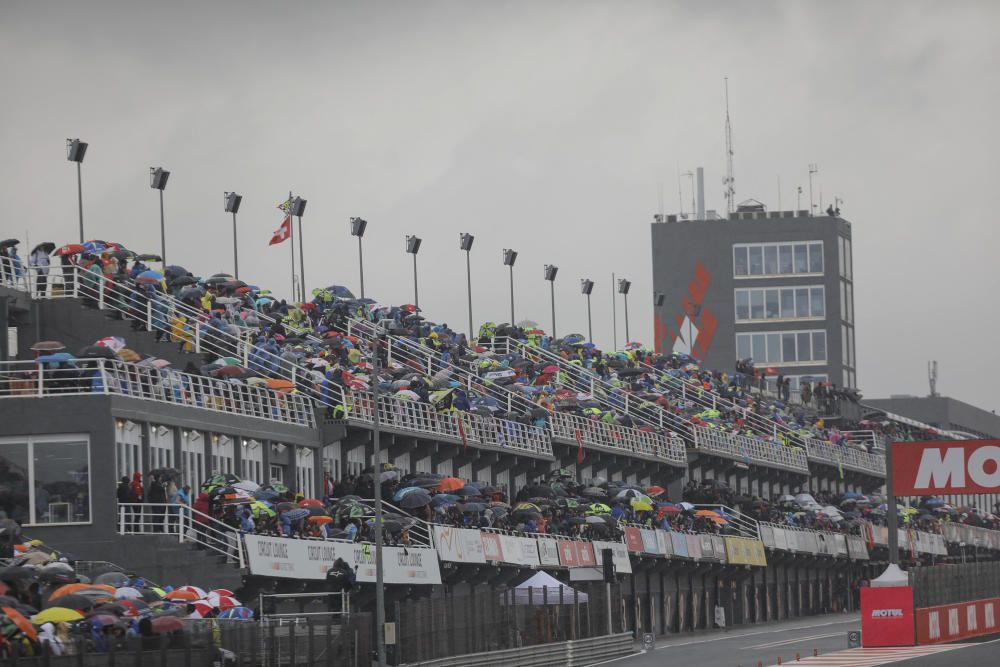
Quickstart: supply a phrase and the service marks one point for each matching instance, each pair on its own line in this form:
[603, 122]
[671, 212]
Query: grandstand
[695, 467]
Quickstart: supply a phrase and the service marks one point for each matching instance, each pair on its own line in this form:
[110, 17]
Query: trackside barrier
[575, 652]
[959, 621]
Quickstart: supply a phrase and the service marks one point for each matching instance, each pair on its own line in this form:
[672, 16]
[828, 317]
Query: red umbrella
[226, 602]
[167, 624]
[69, 249]
[310, 502]
[550, 369]
[655, 491]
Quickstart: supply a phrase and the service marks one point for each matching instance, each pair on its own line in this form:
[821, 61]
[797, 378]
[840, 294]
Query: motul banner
[945, 466]
[887, 616]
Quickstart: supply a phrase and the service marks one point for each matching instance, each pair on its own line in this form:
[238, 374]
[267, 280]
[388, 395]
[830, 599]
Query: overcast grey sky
[548, 127]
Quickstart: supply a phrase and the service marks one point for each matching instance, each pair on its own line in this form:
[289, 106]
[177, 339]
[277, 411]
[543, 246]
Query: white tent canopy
[545, 590]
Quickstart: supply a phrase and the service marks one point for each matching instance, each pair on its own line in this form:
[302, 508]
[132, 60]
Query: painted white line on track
[756, 634]
[793, 641]
[624, 657]
[872, 657]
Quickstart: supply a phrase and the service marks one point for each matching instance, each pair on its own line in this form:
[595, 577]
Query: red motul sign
[945, 466]
[887, 615]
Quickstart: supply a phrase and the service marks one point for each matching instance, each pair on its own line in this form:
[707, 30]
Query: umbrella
[655, 491]
[71, 601]
[149, 257]
[56, 615]
[22, 623]
[450, 484]
[415, 500]
[6, 243]
[149, 278]
[47, 346]
[97, 352]
[70, 249]
[128, 593]
[242, 613]
[179, 594]
[166, 624]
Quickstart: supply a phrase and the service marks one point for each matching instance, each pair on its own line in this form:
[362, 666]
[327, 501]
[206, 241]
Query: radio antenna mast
[932, 376]
[728, 182]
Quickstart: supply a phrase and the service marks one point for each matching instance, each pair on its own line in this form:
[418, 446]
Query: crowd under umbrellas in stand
[47, 607]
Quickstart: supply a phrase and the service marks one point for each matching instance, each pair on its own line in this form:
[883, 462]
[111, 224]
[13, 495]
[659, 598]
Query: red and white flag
[284, 232]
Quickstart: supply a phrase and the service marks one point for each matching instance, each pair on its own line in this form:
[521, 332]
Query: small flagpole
[291, 238]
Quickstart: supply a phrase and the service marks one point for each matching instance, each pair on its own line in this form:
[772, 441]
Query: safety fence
[69, 377]
[666, 447]
[845, 457]
[750, 450]
[951, 583]
[973, 536]
[460, 427]
[591, 651]
[497, 619]
[337, 642]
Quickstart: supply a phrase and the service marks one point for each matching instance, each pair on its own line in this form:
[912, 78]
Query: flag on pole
[579, 451]
[461, 432]
[282, 233]
[285, 205]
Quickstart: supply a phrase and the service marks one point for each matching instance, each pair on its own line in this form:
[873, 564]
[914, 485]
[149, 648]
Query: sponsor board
[491, 547]
[548, 552]
[310, 559]
[887, 617]
[954, 622]
[459, 545]
[519, 550]
[619, 553]
[946, 467]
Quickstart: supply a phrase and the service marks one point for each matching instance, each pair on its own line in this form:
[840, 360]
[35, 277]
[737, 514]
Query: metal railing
[844, 456]
[329, 597]
[596, 434]
[750, 450]
[461, 427]
[186, 523]
[26, 379]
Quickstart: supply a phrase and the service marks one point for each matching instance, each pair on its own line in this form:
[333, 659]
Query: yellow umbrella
[56, 615]
[641, 506]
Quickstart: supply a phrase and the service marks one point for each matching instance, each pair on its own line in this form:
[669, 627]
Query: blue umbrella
[149, 277]
[402, 492]
[242, 613]
[57, 358]
[94, 247]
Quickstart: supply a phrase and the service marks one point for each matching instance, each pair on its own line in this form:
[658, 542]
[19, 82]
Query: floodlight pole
[552, 293]
[163, 234]
[511, 267]
[627, 337]
[236, 256]
[893, 520]
[361, 267]
[376, 442]
[416, 294]
[468, 282]
[302, 264]
[590, 329]
[79, 194]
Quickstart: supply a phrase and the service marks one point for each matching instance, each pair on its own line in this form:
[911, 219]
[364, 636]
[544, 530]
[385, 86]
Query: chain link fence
[493, 619]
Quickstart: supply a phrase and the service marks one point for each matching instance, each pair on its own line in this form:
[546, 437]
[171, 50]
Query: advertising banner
[567, 553]
[693, 546]
[310, 559]
[680, 544]
[649, 543]
[633, 539]
[548, 552]
[519, 550]
[664, 543]
[623, 565]
[741, 551]
[459, 545]
[887, 616]
[492, 550]
[946, 467]
[585, 555]
[952, 622]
